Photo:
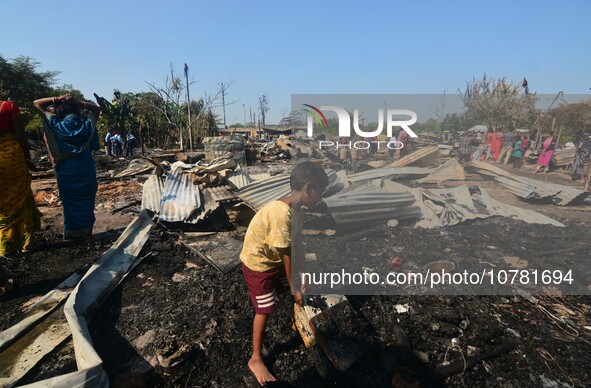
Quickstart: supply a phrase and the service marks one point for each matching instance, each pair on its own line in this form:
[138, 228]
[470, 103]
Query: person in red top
[404, 138]
[19, 216]
[488, 140]
[496, 144]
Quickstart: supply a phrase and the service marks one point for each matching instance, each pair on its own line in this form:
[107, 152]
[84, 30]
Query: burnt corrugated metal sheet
[344, 225]
[367, 196]
[135, 167]
[239, 177]
[364, 205]
[220, 194]
[450, 206]
[521, 189]
[448, 171]
[224, 144]
[177, 199]
[528, 188]
[152, 193]
[180, 198]
[260, 193]
[260, 176]
[427, 156]
[388, 171]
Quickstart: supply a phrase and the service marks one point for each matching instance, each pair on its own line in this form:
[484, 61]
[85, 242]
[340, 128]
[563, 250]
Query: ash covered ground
[176, 300]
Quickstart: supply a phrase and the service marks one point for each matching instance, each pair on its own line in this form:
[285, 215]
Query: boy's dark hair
[305, 172]
[64, 109]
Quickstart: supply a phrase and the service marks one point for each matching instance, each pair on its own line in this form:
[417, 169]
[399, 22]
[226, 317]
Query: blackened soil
[174, 298]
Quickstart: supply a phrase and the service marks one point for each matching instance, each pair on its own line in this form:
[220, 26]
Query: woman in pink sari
[546, 155]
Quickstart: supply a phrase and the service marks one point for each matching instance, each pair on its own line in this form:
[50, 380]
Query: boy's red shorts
[263, 288]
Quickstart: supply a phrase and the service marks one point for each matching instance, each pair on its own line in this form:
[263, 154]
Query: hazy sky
[305, 47]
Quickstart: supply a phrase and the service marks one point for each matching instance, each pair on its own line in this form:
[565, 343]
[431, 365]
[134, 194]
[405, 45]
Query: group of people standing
[505, 146]
[70, 135]
[114, 143]
[501, 146]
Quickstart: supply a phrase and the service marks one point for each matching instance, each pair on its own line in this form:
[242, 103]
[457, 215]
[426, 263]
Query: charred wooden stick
[132, 203]
[458, 366]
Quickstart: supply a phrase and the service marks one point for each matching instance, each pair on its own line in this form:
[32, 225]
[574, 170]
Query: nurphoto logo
[392, 121]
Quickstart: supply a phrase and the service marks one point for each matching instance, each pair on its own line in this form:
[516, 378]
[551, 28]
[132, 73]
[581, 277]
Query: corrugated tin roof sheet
[450, 206]
[152, 193]
[388, 171]
[232, 144]
[239, 177]
[135, 167]
[180, 197]
[177, 199]
[367, 196]
[448, 171]
[220, 193]
[259, 193]
[364, 205]
[427, 156]
[528, 188]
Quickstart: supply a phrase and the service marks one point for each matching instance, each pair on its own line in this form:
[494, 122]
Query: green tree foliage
[21, 80]
[116, 114]
[68, 89]
[431, 125]
[572, 120]
[155, 130]
[499, 103]
[457, 122]
[23, 83]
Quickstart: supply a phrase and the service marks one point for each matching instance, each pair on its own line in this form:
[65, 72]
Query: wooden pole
[559, 134]
[142, 140]
[188, 109]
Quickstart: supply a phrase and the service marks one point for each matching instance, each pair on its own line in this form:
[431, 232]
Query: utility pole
[188, 109]
[244, 111]
[223, 102]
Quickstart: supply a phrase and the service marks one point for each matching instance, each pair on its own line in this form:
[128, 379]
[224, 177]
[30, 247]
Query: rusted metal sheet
[180, 198]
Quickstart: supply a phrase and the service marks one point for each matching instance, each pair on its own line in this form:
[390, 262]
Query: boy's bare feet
[260, 370]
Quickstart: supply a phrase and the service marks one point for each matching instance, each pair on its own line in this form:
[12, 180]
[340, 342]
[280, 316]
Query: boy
[266, 254]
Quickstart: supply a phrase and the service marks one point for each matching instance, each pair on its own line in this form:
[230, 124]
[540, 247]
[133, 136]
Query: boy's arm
[286, 256]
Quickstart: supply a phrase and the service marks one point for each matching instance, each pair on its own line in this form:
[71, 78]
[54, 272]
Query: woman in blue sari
[71, 136]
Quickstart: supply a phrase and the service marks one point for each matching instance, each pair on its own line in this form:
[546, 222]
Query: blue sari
[70, 142]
